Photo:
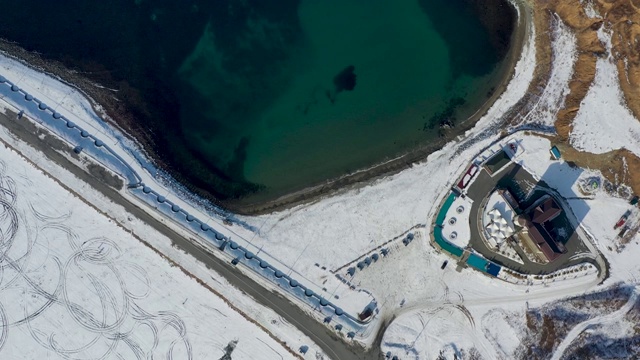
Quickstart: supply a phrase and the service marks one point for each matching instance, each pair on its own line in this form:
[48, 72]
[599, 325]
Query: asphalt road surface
[484, 185]
[329, 342]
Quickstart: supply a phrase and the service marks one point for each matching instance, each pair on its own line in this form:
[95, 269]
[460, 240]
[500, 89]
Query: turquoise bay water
[296, 130]
[241, 99]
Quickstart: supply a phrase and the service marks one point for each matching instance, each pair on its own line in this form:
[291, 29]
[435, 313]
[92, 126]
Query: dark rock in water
[446, 118]
[446, 124]
[444, 127]
[345, 80]
[331, 96]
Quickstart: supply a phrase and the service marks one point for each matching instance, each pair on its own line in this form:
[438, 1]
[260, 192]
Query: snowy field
[300, 238]
[456, 227]
[604, 122]
[448, 313]
[76, 285]
[564, 56]
[438, 311]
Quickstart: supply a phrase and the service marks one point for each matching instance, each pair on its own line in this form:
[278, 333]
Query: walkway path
[319, 333]
[484, 185]
[147, 189]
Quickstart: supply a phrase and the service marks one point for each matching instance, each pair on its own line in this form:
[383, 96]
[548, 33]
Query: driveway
[515, 175]
[337, 348]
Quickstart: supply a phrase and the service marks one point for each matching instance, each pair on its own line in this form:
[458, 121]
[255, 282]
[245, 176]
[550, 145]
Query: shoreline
[108, 106]
[393, 166]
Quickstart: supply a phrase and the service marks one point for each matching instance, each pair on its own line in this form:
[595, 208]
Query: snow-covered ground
[456, 225]
[604, 121]
[334, 231]
[70, 103]
[590, 9]
[564, 56]
[468, 296]
[264, 316]
[454, 334]
[439, 311]
[77, 285]
[449, 309]
[615, 317]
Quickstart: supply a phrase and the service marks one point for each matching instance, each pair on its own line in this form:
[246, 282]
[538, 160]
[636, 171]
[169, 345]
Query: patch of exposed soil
[619, 167]
[589, 48]
[622, 18]
[601, 344]
[105, 176]
[547, 326]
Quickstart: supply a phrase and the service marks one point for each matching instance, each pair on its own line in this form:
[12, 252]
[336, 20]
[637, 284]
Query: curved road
[330, 343]
[485, 184]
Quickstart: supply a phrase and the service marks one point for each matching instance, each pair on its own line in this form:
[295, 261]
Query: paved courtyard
[521, 184]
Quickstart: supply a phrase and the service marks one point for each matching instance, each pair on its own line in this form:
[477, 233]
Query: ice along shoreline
[112, 110]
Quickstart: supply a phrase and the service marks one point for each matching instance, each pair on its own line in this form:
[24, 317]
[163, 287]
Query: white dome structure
[498, 228]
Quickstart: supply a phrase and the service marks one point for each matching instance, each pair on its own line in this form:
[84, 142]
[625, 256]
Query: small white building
[498, 220]
[498, 229]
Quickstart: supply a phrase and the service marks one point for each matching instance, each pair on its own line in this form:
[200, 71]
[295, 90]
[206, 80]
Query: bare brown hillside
[622, 19]
[572, 13]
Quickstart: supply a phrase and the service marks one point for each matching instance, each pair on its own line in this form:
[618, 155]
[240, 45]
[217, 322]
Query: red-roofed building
[534, 223]
[546, 211]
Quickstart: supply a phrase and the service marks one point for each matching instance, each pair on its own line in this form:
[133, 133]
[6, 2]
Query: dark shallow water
[258, 98]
